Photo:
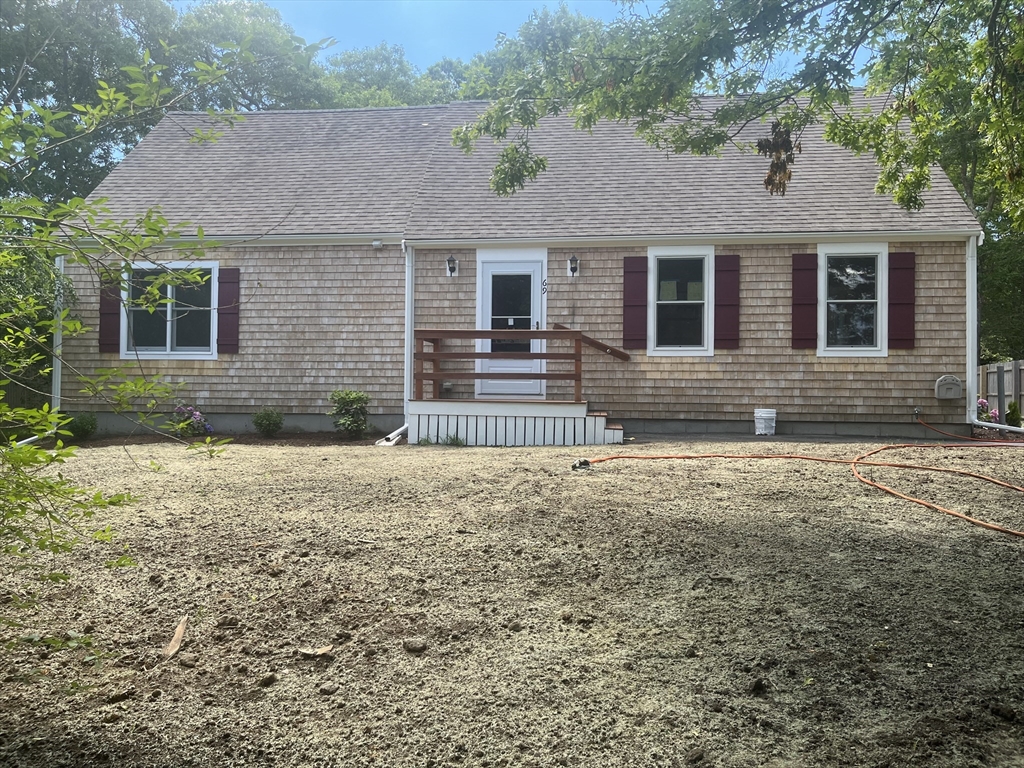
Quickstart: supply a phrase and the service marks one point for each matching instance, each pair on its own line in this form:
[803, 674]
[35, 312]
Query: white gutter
[365, 239]
[972, 339]
[721, 238]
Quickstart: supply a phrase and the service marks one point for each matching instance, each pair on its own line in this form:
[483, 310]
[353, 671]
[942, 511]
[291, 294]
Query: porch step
[475, 422]
[612, 433]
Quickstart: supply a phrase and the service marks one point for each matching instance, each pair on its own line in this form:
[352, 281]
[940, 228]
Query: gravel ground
[360, 606]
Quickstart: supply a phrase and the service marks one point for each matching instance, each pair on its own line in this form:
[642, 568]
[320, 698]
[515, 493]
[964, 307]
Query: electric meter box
[949, 388]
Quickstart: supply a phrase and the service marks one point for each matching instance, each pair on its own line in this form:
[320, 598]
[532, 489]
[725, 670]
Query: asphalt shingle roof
[394, 171]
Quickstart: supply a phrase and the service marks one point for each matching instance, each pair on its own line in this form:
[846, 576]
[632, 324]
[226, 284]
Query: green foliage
[950, 67]
[278, 69]
[41, 512]
[450, 440]
[58, 135]
[349, 413]
[381, 76]
[268, 421]
[55, 53]
[1013, 417]
[692, 74]
[82, 426]
[210, 448]
[1001, 292]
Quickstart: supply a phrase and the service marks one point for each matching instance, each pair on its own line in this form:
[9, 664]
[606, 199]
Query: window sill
[679, 352]
[853, 353]
[168, 355]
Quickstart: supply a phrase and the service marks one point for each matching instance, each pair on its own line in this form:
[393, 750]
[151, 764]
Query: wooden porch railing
[435, 337]
[608, 349]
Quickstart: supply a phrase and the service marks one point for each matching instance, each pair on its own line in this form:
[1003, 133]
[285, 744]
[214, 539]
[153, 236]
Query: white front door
[510, 295]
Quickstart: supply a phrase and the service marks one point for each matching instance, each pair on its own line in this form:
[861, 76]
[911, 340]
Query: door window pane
[511, 308]
[510, 295]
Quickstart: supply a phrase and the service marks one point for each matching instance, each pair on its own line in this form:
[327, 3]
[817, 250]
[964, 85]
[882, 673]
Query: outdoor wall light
[574, 265]
[453, 266]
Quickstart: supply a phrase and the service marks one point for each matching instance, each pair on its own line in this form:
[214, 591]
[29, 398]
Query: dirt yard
[427, 606]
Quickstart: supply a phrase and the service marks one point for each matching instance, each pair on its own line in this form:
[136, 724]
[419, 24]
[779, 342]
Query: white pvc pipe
[394, 437]
[972, 338]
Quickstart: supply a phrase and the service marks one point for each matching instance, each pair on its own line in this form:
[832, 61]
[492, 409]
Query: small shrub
[1013, 414]
[212, 448]
[349, 412]
[188, 421]
[268, 421]
[82, 426]
[452, 440]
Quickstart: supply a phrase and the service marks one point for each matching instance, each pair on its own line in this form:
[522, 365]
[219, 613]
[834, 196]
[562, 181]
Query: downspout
[972, 338]
[58, 338]
[58, 342]
[395, 436]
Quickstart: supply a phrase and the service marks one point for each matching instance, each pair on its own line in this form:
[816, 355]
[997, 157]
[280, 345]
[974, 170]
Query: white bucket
[764, 421]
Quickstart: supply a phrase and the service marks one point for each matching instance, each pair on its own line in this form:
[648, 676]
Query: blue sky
[428, 30]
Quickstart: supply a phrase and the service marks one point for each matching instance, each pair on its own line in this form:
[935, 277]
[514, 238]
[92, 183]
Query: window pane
[851, 278]
[187, 296]
[680, 325]
[191, 329]
[140, 279]
[680, 280]
[510, 295]
[851, 325]
[147, 331]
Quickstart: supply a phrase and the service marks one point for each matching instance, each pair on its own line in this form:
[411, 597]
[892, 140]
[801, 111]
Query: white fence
[1013, 383]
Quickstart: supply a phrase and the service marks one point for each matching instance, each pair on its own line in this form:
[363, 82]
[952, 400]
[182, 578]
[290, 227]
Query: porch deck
[505, 421]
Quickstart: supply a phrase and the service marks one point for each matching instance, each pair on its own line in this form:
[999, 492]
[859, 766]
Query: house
[667, 293]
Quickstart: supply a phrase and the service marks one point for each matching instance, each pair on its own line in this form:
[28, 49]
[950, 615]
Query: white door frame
[487, 258]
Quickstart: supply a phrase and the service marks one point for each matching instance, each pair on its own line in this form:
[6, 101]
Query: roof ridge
[345, 110]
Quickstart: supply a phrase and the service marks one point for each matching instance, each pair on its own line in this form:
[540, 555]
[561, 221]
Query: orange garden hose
[860, 461]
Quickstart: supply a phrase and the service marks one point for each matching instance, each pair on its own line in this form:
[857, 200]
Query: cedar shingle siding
[311, 320]
[317, 317]
[765, 371]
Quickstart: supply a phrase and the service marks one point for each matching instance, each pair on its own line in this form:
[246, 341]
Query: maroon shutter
[110, 314]
[229, 297]
[901, 300]
[727, 302]
[805, 301]
[634, 302]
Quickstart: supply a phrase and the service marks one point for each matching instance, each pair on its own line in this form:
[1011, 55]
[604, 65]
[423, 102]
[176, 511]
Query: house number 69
[544, 286]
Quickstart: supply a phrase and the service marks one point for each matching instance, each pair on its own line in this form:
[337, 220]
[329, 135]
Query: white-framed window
[183, 326]
[853, 299]
[681, 300]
